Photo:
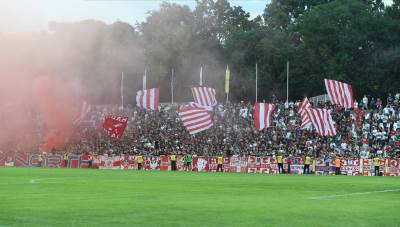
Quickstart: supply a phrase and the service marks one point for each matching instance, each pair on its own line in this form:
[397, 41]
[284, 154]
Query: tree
[281, 14]
[356, 41]
[96, 54]
[393, 11]
[171, 41]
[216, 20]
[339, 41]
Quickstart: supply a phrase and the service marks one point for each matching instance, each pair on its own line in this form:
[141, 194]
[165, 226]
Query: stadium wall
[249, 164]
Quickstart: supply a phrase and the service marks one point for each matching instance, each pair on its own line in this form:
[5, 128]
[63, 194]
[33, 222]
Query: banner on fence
[235, 164]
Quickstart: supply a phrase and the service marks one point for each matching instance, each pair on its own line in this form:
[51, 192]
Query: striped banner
[322, 121]
[204, 96]
[340, 93]
[148, 99]
[263, 115]
[305, 120]
[195, 119]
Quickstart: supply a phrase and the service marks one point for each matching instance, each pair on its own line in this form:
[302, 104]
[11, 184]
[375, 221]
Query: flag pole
[227, 78]
[256, 83]
[122, 90]
[201, 76]
[144, 79]
[287, 82]
[172, 86]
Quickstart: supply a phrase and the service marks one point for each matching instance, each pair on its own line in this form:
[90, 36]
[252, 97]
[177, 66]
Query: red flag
[357, 116]
[204, 96]
[115, 126]
[340, 93]
[148, 99]
[195, 119]
[322, 121]
[305, 120]
[263, 115]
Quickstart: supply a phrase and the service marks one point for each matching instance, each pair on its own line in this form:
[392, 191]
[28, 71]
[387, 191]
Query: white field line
[355, 193]
[32, 181]
[37, 180]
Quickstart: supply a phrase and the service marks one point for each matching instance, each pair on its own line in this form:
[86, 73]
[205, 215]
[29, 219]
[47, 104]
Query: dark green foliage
[356, 41]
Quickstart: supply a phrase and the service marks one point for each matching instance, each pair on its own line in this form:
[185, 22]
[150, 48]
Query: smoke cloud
[45, 76]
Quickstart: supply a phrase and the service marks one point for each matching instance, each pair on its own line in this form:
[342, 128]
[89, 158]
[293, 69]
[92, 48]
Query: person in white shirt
[366, 126]
[386, 110]
[344, 146]
[396, 125]
[367, 116]
[243, 112]
[291, 113]
[365, 102]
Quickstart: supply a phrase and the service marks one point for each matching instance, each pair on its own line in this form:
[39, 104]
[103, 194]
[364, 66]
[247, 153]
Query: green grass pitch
[90, 197]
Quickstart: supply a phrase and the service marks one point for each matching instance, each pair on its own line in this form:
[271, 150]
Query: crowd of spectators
[371, 129]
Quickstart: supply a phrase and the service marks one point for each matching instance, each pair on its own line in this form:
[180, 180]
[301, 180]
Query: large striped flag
[322, 121]
[148, 99]
[85, 109]
[340, 93]
[195, 119]
[263, 115]
[305, 120]
[195, 104]
[204, 96]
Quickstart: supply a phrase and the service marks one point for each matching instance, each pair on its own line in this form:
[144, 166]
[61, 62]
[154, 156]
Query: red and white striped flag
[85, 109]
[204, 96]
[305, 120]
[195, 119]
[195, 104]
[322, 121]
[263, 115]
[148, 99]
[340, 93]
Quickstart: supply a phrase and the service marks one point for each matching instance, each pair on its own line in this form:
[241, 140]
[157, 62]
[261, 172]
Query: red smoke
[57, 104]
[18, 129]
[38, 92]
[36, 113]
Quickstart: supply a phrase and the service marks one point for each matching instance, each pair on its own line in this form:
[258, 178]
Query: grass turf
[89, 197]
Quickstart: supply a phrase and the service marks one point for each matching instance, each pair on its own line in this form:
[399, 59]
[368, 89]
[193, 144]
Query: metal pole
[144, 79]
[201, 76]
[122, 90]
[256, 83]
[172, 86]
[287, 82]
[227, 78]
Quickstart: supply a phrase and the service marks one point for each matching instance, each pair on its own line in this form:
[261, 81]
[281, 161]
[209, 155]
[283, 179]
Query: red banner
[249, 164]
[114, 126]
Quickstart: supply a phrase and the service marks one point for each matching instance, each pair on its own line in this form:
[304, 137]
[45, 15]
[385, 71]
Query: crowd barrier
[250, 164]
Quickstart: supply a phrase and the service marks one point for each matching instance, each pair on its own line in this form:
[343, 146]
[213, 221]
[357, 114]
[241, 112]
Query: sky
[33, 15]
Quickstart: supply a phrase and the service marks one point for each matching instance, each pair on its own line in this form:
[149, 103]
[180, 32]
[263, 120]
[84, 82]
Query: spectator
[161, 132]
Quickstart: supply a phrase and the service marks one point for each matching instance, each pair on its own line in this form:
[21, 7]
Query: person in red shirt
[363, 113]
[365, 140]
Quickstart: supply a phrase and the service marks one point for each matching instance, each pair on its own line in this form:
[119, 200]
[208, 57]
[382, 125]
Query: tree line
[355, 41]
